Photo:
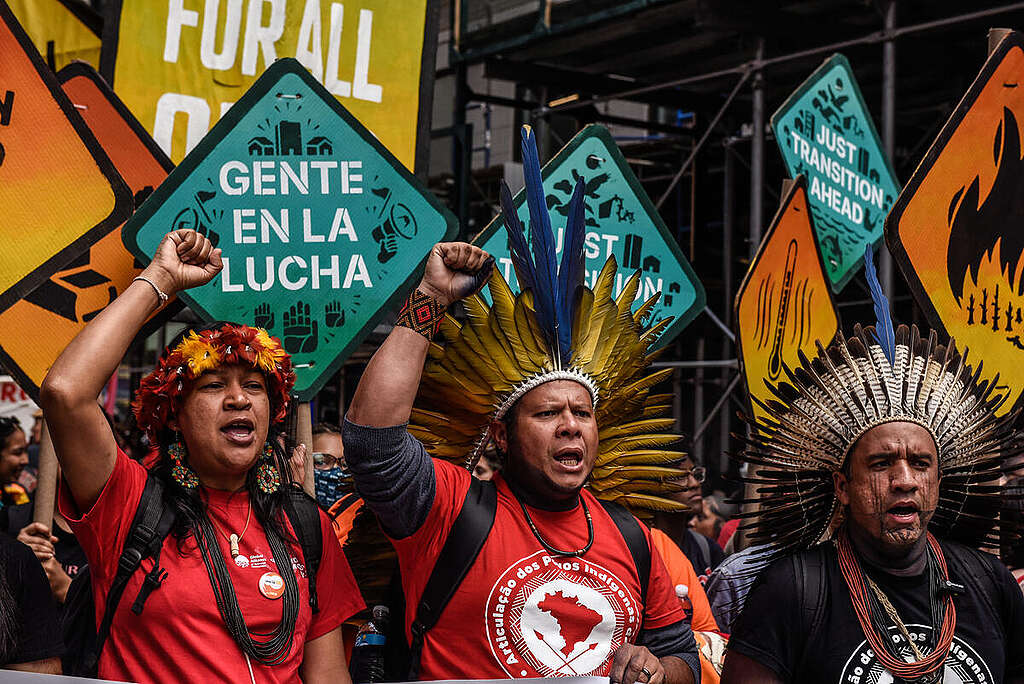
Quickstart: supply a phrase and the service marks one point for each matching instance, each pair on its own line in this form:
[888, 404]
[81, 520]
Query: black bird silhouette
[974, 229]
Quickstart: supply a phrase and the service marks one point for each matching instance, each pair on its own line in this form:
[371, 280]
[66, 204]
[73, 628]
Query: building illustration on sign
[825, 133]
[319, 232]
[620, 220]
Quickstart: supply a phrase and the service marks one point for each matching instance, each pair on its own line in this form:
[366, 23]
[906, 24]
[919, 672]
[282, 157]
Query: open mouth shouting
[239, 431]
[904, 512]
[570, 459]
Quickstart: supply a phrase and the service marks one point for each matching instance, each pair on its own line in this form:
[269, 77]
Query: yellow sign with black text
[955, 230]
[180, 64]
[62, 30]
[784, 305]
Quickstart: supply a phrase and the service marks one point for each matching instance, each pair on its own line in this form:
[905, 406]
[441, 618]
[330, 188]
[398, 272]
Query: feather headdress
[555, 329]
[205, 350]
[878, 376]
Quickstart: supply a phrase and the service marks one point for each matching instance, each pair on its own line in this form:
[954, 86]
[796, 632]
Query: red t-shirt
[180, 635]
[543, 616]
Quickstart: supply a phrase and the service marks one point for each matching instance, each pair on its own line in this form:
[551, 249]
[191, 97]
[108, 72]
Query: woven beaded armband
[422, 313]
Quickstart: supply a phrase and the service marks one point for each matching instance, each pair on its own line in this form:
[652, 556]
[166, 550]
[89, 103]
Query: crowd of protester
[707, 563]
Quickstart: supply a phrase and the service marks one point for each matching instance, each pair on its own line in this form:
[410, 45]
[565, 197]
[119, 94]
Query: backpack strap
[809, 572]
[636, 541]
[460, 550]
[304, 515]
[151, 524]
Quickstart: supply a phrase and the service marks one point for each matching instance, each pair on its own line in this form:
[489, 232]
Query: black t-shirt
[775, 627]
[68, 551]
[37, 632]
[703, 553]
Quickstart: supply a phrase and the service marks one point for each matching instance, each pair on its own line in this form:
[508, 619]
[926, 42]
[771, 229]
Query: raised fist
[184, 259]
[455, 270]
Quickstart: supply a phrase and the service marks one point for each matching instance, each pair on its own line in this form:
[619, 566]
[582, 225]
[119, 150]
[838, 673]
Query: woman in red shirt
[235, 604]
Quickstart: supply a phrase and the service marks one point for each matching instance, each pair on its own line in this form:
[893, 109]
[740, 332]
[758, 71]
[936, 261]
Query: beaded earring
[180, 472]
[268, 479]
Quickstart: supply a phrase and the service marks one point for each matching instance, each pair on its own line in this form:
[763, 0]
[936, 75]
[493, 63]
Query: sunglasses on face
[323, 461]
[698, 473]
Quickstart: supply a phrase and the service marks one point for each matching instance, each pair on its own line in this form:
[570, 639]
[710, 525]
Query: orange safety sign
[784, 305]
[58, 309]
[59, 191]
[955, 229]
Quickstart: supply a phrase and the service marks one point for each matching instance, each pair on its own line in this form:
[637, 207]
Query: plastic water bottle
[683, 594]
[368, 650]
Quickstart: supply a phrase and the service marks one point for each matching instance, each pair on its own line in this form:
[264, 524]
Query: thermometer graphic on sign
[775, 359]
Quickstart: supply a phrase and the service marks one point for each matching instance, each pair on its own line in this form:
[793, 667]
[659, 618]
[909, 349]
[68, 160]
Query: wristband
[159, 293]
[422, 313]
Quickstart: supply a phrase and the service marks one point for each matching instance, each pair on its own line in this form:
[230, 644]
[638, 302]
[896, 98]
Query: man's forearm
[389, 384]
[676, 671]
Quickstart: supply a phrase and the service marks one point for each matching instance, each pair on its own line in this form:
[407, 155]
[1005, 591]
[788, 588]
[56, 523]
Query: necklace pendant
[233, 542]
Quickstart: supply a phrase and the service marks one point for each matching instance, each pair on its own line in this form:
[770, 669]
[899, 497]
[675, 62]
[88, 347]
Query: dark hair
[8, 425]
[189, 505]
[326, 429]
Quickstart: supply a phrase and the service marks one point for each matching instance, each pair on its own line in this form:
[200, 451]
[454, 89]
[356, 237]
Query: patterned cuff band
[422, 313]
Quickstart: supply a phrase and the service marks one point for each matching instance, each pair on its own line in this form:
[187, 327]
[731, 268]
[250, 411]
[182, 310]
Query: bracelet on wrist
[159, 293]
[422, 314]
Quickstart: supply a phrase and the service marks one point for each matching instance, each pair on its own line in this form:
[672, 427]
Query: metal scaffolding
[729, 66]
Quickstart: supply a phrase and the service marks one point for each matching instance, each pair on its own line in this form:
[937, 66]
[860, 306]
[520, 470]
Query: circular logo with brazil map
[963, 664]
[549, 617]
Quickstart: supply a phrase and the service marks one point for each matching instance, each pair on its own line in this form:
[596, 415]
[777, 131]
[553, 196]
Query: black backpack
[153, 521]
[462, 546]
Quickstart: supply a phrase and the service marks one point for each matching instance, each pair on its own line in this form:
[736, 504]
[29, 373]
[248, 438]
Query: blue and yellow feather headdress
[556, 328]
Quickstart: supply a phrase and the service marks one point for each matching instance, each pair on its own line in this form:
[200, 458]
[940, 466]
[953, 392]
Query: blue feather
[884, 332]
[542, 240]
[517, 246]
[571, 271]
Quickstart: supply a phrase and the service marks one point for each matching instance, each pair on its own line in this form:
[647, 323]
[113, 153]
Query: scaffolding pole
[888, 127]
[757, 152]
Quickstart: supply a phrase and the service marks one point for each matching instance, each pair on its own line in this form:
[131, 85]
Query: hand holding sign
[455, 270]
[184, 259]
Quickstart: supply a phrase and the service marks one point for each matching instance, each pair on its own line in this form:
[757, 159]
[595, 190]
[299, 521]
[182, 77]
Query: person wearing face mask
[331, 478]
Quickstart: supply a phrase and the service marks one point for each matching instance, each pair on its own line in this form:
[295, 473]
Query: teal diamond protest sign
[825, 132]
[321, 228]
[620, 220]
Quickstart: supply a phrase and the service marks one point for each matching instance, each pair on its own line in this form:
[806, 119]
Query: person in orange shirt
[682, 574]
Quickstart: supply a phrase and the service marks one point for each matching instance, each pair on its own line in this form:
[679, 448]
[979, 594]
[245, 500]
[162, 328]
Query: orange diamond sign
[956, 231]
[784, 305]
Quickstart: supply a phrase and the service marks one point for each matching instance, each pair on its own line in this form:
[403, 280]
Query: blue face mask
[329, 485]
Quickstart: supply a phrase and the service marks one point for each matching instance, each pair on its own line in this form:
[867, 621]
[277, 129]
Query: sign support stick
[304, 435]
[46, 481]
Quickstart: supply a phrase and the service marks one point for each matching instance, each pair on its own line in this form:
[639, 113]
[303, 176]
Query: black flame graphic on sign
[975, 229]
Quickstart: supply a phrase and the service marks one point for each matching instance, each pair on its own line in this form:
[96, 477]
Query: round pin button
[271, 585]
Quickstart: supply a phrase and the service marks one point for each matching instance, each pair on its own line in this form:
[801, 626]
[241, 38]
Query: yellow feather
[652, 503]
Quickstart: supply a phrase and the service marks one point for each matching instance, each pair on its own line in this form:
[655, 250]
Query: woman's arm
[324, 660]
[81, 435]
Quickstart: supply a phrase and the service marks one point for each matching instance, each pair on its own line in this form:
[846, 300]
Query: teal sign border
[811, 82]
[594, 130]
[225, 126]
